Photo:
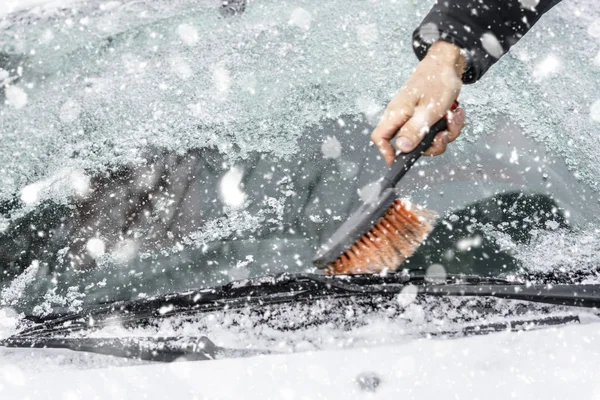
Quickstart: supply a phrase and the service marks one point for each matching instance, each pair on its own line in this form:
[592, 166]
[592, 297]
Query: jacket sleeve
[485, 29]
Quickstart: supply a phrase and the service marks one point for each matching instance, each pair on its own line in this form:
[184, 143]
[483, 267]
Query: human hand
[422, 101]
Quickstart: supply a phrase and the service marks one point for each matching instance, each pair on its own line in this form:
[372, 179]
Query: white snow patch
[124, 251]
[69, 112]
[65, 183]
[596, 60]
[492, 45]
[549, 66]
[594, 30]
[95, 247]
[10, 6]
[514, 156]
[467, 244]
[9, 320]
[595, 111]
[230, 190]
[221, 79]
[369, 108]
[188, 34]
[240, 270]
[13, 374]
[367, 34]
[300, 18]
[561, 249]
[11, 294]
[529, 4]
[407, 296]
[369, 192]
[181, 68]
[15, 96]
[30, 194]
[429, 32]
[331, 147]
[436, 273]
[547, 363]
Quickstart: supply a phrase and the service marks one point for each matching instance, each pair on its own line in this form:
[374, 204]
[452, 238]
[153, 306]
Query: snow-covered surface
[556, 363]
[104, 81]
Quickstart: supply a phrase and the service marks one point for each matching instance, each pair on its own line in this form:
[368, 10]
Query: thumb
[414, 130]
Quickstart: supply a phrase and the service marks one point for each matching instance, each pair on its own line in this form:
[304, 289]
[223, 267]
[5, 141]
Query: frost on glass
[90, 88]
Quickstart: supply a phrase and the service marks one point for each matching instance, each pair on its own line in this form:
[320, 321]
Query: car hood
[549, 363]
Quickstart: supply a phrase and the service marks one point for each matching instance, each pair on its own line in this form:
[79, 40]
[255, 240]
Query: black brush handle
[404, 161]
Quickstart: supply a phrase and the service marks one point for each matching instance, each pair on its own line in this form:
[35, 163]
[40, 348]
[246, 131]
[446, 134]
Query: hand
[423, 100]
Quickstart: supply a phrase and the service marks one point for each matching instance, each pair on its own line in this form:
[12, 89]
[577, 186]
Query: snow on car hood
[551, 363]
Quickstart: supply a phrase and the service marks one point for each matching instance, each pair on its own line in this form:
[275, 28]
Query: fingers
[439, 144]
[456, 121]
[413, 131]
[394, 118]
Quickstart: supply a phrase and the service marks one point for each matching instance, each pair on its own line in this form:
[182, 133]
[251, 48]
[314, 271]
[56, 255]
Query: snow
[560, 249]
[595, 111]
[177, 76]
[236, 81]
[331, 147]
[188, 34]
[547, 67]
[15, 96]
[11, 294]
[554, 363]
[492, 45]
[95, 247]
[407, 296]
[231, 192]
[10, 6]
[367, 34]
[69, 112]
[300, 18]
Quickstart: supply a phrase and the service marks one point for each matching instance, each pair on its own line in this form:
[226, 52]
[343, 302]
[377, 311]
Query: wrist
[449, 54]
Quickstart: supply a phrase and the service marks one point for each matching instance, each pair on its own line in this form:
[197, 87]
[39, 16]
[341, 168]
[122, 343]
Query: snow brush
[386, 230]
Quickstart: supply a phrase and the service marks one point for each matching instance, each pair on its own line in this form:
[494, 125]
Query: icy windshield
[157, 146]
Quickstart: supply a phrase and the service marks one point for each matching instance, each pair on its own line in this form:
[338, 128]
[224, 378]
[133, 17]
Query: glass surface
[156, 147]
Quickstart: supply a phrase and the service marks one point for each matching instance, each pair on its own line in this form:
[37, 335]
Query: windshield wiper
[257, 292]
[293, 288]
[53, 331]
[162, 349]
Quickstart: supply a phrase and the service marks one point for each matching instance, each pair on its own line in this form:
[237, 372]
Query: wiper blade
[269, 290]
[295, 288]
[266, 291]
[563, 295]
[161, 349]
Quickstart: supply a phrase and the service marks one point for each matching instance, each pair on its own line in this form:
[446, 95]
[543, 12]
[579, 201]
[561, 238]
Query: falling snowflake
[301, 18]
[15, 96]
[331, 147]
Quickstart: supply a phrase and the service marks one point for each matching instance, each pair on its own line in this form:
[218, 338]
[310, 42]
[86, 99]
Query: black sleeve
[486, 29]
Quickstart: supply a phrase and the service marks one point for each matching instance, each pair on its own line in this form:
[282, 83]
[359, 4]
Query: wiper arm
[162, 349]
[564, 295]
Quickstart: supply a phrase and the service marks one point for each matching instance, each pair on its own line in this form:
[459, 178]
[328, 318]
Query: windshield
[152, 147]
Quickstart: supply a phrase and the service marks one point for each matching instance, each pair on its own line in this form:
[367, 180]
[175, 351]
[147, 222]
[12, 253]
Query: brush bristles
[388, 243]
